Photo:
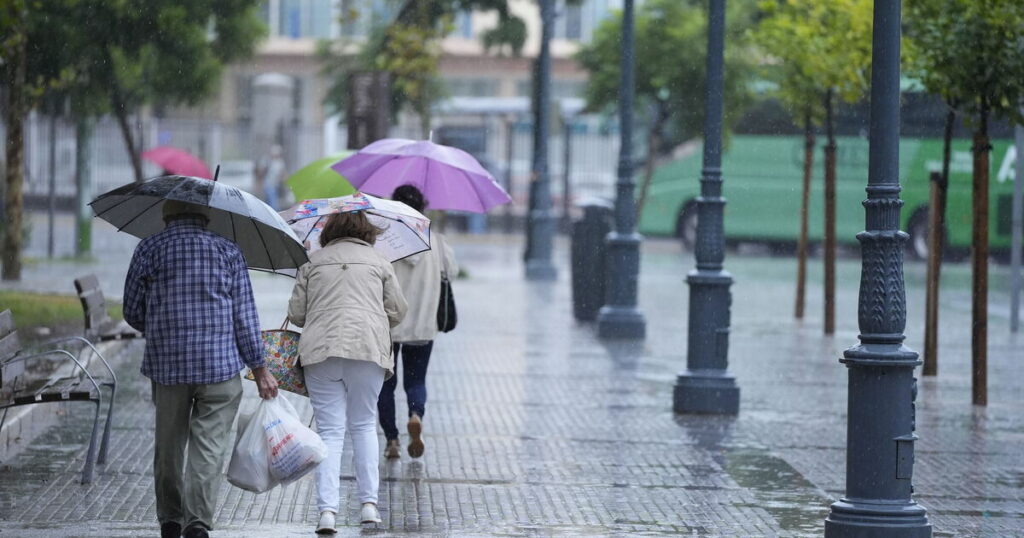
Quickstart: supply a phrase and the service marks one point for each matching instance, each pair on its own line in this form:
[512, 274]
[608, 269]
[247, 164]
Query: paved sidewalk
[536, 428]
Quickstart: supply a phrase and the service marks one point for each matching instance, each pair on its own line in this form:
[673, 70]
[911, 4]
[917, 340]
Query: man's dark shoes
[170, 529]
[196, 531]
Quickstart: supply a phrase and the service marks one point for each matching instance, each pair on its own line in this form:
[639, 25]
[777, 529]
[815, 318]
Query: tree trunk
[51, 199]
[15, 155]
[425, 121]
[805, 203]
[979, 263]
[83, 185]
[936, 239]
[129, 138]
[653, 143]
[830, 219]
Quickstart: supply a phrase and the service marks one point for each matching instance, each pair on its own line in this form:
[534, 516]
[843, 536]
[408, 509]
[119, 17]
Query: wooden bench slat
[49, 397]
[87, 282]
[9, 345]
[6, 322]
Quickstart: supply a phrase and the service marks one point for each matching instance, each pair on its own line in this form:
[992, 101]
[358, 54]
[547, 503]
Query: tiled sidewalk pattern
[536, 428]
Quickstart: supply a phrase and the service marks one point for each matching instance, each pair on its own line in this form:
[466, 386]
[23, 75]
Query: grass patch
[57, 312]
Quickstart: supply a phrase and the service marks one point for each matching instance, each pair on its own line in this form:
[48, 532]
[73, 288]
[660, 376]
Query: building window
[298, 19]
[464, 24]
[573, 22]
[560, 89]
[243, 96]
[472, 86]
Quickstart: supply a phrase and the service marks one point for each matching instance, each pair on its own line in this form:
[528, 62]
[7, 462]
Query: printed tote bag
[281, 353]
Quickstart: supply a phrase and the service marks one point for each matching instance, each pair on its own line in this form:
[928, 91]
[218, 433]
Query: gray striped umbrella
[266, 240]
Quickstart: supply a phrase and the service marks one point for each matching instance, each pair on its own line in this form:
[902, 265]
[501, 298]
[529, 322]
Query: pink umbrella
[448, 177]
[177, 161]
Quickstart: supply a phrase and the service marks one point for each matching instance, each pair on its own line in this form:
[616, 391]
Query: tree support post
[1018, 231]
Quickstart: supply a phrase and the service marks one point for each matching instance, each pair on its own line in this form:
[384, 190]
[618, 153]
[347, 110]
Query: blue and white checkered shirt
[188, 292]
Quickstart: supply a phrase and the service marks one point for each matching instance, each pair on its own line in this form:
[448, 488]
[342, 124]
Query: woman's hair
[410, 196]
[351, 224]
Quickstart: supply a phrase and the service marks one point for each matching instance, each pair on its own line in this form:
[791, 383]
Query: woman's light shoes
[369, 514]
[326, 525]
[415, 428]
[393, 450]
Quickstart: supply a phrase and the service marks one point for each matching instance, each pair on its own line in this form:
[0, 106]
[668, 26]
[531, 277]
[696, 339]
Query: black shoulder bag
[446, 316]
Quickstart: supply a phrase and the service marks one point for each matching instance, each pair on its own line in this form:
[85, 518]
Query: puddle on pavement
[783, 492]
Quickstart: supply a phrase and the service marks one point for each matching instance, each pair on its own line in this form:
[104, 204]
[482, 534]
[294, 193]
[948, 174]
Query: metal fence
[505, 149]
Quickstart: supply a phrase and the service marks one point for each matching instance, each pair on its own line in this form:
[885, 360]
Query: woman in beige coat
[420, 277]
[347, 299]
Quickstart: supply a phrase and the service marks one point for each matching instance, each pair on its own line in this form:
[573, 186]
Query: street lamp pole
[620, 317]
[706, 386]
[880, 406]
[541, 220]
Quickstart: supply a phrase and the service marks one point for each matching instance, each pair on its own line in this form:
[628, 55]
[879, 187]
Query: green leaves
[671, 41]
[814, 45]
[971, 52]
[146, 51]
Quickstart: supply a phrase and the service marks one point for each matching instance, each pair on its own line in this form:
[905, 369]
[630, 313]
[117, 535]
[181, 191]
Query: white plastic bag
[249, 468]
[294, 448]
[274, 448]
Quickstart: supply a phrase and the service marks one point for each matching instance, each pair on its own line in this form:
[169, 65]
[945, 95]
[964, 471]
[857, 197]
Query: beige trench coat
[347, 299]
[420, 277]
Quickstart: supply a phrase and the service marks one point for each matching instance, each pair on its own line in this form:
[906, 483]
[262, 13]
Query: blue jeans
[272, 194]
[414, 359]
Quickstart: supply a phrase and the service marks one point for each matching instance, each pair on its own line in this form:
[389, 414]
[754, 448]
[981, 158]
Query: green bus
[763, 176]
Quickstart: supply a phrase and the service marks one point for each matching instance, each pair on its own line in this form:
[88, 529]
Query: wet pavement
[536, 428]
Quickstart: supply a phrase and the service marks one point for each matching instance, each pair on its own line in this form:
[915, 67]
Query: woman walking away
[420, 277]
[347, 298]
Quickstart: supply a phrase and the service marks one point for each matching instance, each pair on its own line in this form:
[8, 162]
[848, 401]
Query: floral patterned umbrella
[406, 231]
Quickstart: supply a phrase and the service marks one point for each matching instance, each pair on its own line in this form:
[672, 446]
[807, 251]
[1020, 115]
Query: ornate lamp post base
[620, 318]
[540, 270]
[706, 387]
[541, 232]
[706, 392]
[620, 322]
[854, 518]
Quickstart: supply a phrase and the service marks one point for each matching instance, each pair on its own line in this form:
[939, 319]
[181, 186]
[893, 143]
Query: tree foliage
[671, 44]
[970, 52]
[406, 44]
[814, 46]
[117, 56]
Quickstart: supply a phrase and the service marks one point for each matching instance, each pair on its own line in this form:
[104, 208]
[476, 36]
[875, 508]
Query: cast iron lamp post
[541, 220]
[706, 386]
[880, 406]
[619, 317]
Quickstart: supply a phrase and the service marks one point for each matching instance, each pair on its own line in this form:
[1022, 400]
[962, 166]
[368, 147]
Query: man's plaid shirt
[188, 292]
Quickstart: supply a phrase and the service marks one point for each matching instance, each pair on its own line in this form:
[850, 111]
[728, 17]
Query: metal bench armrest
[22, 358]
[85, 341]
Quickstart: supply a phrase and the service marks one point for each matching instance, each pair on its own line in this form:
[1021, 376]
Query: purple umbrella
[448, 177]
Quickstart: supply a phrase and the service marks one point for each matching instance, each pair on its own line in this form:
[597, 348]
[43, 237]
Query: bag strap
[284, 326]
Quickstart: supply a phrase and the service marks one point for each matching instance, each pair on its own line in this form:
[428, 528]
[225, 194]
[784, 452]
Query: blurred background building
[280, 96]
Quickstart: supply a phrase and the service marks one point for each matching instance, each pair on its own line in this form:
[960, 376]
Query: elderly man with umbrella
[188, 292]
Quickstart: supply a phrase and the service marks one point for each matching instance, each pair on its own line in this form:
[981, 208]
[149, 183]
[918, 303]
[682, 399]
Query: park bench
[99, 327]
[68, 380]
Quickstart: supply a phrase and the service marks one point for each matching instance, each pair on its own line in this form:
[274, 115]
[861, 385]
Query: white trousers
[344, 395]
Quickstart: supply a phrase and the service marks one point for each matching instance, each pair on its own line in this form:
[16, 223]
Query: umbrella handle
[216, 173]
